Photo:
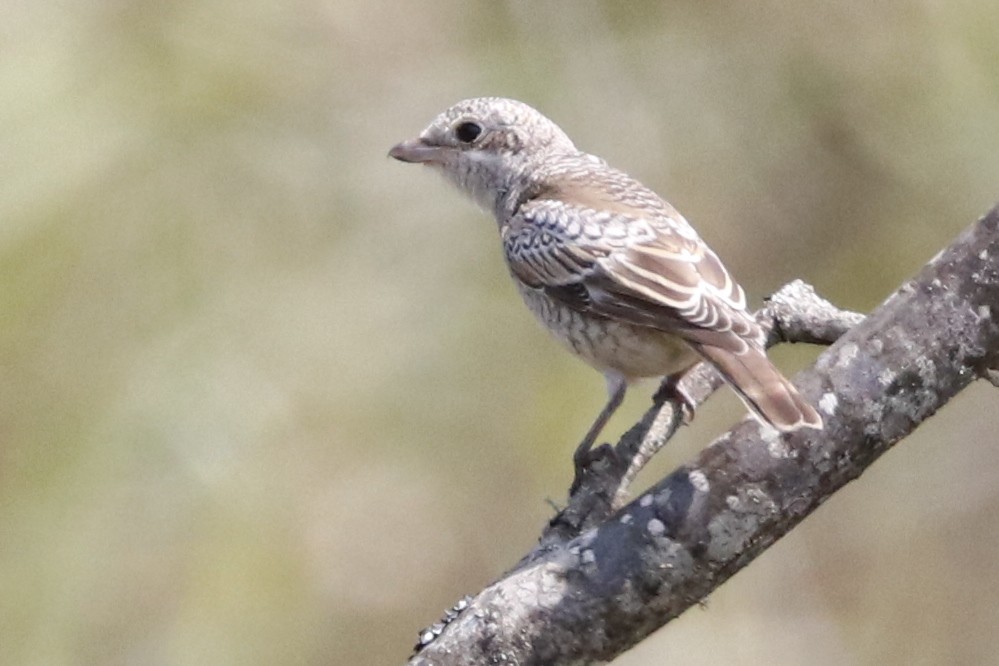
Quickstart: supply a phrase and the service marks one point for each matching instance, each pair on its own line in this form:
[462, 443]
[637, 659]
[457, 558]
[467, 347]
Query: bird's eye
[467, 132]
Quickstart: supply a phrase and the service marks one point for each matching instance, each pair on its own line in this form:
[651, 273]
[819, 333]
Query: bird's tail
[766, 392]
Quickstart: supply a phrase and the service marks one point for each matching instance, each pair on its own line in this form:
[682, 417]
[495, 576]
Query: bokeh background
[266, 396]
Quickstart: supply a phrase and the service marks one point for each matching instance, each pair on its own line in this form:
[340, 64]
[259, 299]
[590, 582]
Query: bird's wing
[641, 264]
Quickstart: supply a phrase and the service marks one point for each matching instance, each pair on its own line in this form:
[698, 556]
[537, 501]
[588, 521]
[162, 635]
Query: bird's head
[488, 146]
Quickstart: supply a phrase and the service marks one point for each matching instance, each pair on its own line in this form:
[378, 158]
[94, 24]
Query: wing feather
[653, 271]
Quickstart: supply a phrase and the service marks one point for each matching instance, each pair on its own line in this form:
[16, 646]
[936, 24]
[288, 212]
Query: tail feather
[766, 392]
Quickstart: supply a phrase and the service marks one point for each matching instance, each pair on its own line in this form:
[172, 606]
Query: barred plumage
[610, 268]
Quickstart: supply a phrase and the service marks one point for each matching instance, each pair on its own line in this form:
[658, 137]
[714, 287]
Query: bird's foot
[671, 391]
[587, 459]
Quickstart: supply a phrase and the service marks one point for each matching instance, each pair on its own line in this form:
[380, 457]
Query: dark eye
[467, 132]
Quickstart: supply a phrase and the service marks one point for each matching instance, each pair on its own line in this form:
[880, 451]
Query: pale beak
[415, 150]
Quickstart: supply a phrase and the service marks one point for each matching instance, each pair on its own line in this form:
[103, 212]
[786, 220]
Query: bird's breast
[606, 344]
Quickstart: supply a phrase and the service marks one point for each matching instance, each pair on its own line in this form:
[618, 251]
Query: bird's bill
[415, 150]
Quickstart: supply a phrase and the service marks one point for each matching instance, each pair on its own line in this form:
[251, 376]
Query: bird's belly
[633, 351]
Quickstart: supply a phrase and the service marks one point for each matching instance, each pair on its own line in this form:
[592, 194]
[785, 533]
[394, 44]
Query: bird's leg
[670, 391]
[616, 388]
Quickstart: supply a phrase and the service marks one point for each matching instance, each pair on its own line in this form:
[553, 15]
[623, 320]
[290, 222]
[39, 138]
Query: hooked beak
[416, 150]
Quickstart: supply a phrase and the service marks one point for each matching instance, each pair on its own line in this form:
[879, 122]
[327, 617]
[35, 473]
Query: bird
[607, 266]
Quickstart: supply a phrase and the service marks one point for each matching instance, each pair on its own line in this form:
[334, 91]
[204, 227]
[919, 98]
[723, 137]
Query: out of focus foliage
[266, 396]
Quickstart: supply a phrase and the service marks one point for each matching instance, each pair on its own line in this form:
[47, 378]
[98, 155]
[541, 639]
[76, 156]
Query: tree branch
[589, 598]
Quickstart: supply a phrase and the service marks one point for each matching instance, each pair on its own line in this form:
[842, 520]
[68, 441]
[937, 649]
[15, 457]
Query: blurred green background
[267, 397]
